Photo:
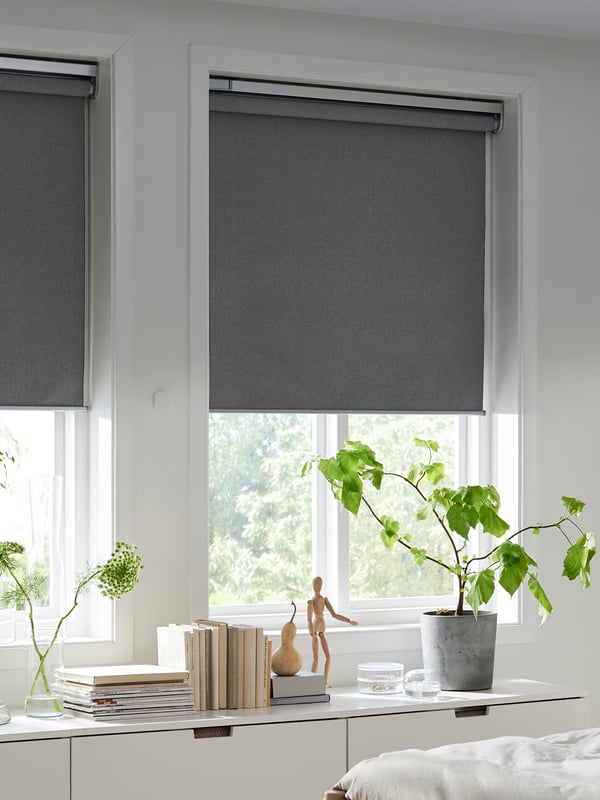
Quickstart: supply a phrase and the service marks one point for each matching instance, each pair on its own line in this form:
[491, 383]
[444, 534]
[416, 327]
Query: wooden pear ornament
[287, 660]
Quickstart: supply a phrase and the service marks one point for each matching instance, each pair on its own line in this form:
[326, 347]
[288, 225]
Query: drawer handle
[213, 732]
[471, 711]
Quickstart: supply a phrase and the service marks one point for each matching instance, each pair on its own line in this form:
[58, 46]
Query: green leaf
[491, 522]
[415, 473]
[389, 532]
[363, 453]
[430, 444]
[375, 475]
[544, 604]
[443, 497]
[419, 555]
[435, 472]
[331, 469]
[472, 495]
[481, 589]
[461, 519]
[348, 461]
[423, 512]
[514, 565]
[352, 492]
[578, 558]
[574, 507]
[307, 467]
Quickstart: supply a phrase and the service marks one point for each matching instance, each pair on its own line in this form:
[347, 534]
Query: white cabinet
[35, 769]
[369, 736]
[295, 760]
[291, 752]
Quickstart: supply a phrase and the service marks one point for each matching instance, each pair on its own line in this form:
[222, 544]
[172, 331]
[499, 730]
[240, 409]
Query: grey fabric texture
[42, 249]
[346, 264]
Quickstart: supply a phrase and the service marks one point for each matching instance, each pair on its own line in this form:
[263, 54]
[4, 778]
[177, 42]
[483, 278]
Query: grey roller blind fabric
[42, 240]
[347, 257]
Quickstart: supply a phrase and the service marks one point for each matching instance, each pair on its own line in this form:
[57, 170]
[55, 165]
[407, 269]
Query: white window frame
[331, 531]
[90, 437]
[513, 335]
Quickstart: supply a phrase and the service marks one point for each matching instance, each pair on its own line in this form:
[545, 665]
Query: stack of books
[303, 687]
[229, 665]
[132, 690]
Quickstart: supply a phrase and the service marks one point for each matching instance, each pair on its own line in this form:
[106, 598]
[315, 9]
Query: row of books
[229, 665]
[108, 692]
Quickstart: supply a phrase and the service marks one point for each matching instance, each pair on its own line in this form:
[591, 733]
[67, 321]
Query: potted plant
[454, 643]
[114, 577]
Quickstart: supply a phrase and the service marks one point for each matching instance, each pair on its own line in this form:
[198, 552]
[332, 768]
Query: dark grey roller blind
[42, 240]
[347, 257]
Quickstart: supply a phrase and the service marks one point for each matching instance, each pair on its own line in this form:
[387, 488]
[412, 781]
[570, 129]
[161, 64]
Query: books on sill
[303, 687]
[229, 665]
[106, 692]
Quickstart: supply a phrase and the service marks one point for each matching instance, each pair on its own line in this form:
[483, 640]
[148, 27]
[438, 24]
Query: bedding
[565, 765]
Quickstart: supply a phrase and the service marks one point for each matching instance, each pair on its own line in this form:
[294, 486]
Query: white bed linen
[565, 765]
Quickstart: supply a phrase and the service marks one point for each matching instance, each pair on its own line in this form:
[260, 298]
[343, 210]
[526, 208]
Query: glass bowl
[421, 683]
[380, 678]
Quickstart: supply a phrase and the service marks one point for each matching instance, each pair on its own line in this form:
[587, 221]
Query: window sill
[390, 639]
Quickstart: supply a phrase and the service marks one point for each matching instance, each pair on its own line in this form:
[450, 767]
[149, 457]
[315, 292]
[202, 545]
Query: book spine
[223, 656]
[235, 654]
[249, 691]
[215, 635]
[266, 672]
[260, 665]
[200, 636]
[219, 658]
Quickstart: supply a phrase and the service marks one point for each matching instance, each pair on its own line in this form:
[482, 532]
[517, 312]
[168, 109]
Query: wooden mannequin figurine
[315, 609]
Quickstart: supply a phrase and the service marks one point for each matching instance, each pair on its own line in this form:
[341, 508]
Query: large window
[57, 394]
[272, 530]
[47, 507]
[347, 274]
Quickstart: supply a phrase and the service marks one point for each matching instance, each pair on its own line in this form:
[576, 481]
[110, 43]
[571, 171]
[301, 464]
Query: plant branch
[404, 543]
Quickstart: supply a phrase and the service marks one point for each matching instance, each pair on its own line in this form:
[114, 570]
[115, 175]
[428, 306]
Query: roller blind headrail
[80, 73]
[491, 111]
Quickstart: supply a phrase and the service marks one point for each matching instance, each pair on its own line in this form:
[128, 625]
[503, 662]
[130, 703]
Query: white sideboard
[295, 751]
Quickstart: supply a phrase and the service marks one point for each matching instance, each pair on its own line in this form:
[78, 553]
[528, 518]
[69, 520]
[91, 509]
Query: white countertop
[345, 702]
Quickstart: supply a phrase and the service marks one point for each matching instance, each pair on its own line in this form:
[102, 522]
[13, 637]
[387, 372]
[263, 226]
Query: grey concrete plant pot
[460, 650]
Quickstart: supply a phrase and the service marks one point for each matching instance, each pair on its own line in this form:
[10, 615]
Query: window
[271, 530]
[491, 445]
[347, 266]
[55, 403]
[49, 491]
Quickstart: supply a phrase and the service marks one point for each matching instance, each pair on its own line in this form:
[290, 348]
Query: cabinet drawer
[369, 736]
[296, 760]
[33, 769]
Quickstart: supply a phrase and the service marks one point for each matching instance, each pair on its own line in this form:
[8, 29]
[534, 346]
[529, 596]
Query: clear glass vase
[44, 657]
[45, 571]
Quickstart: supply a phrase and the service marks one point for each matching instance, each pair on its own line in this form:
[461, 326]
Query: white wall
[560, 448]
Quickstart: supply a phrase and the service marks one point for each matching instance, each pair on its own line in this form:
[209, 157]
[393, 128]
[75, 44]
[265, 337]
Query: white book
[122, 673]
